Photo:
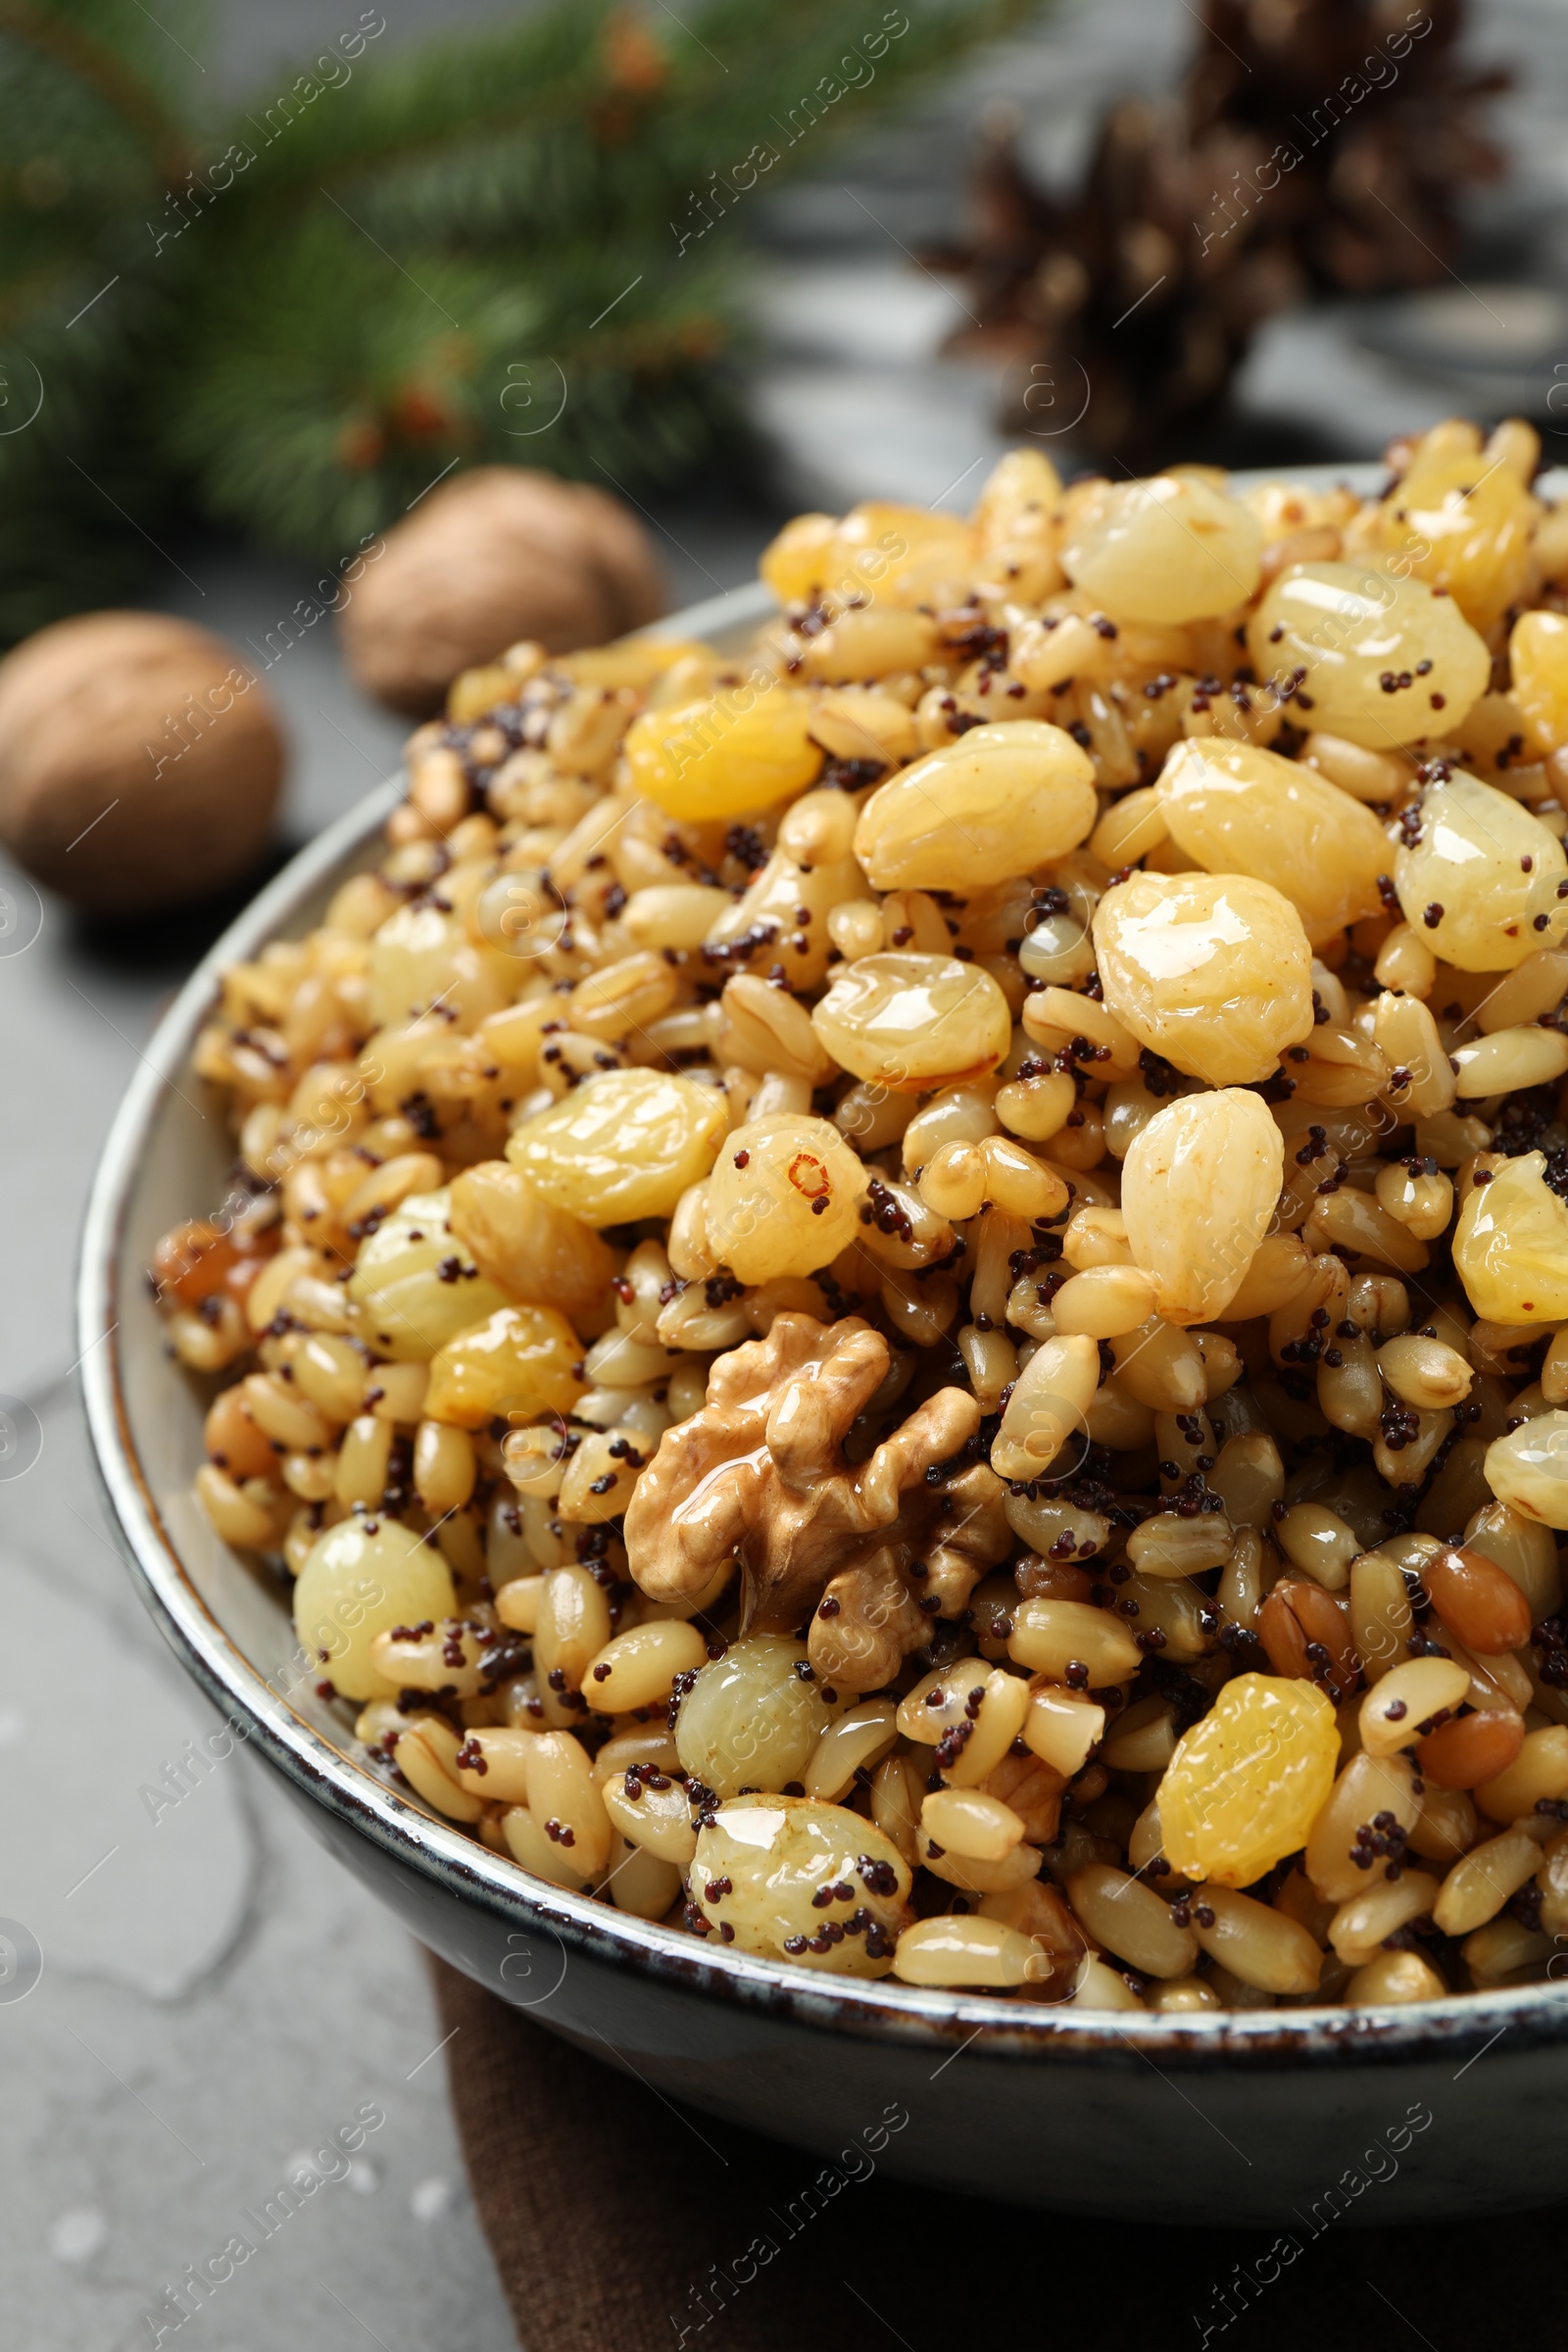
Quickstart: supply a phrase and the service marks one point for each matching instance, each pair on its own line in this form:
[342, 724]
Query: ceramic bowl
[1282, 2117]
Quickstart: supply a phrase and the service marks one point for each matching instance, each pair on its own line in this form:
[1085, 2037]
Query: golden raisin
[1246, 1782]
[1213, 971]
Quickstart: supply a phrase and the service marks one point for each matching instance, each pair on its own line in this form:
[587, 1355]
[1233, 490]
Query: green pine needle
[291, 318]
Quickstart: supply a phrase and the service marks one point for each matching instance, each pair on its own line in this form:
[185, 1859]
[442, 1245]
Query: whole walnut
[140, 761]
[492, 556]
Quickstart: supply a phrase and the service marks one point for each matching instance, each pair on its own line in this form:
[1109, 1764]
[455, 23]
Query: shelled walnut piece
[759, 1475]
[764, 1334]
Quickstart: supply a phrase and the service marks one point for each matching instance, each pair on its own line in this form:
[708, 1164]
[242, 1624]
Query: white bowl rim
[1458, 2024]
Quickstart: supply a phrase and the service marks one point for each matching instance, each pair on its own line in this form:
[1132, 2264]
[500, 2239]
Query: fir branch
[396, 108]
[102, 66]
[300, 340]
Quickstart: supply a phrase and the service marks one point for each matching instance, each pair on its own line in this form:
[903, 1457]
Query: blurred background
[276, 283]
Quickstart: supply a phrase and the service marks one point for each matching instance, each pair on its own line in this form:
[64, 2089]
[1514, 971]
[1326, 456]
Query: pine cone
[1302, 152]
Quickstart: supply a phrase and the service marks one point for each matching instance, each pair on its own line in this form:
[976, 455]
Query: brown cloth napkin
[612, 2217]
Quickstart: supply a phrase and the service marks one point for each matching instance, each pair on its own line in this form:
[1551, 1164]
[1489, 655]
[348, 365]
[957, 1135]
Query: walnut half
[760, 1471]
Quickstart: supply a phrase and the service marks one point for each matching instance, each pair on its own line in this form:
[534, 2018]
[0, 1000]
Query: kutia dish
[897, 1300]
